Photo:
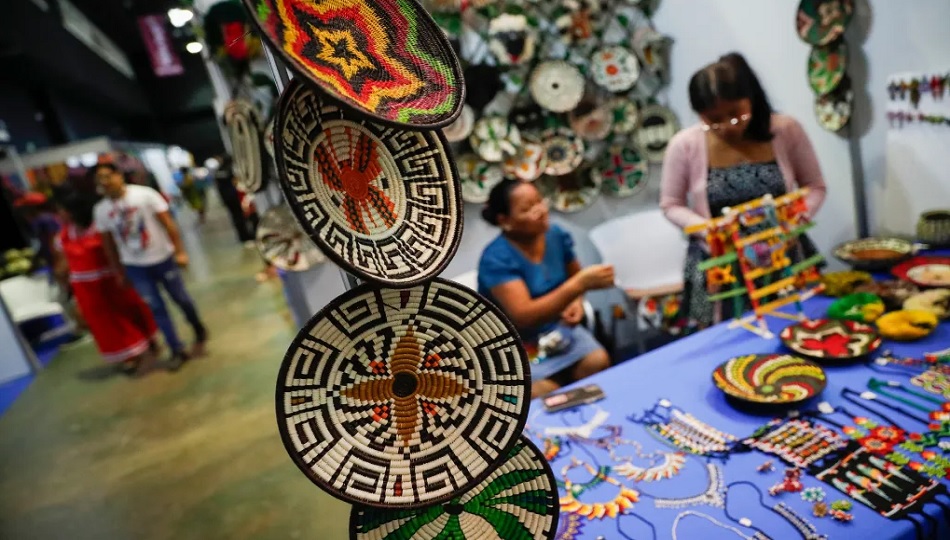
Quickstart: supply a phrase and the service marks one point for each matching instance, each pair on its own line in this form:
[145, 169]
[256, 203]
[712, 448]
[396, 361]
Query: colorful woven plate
[626, 115]
[556, 86]
[826, 67]
[657, 126]
[925, 271]
[386, 58]
[383, 203]
[936, 301]
[564, 151]
[519, 500]
[511, 39]
[777, 379]
[622, 172]
[282, 242]
[831, 339]
[615, 68]
[478, 178]
[571, 192]
[462, 127]
[591, 121]
[244, 127]
[834, 110]
[494, 138]
[403, 398]
[530, 161]
[822, 21]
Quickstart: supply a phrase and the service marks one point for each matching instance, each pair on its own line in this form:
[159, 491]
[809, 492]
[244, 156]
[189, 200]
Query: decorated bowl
[776, 379]
[874, 254]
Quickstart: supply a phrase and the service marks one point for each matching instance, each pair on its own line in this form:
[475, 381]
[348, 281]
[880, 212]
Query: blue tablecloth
[681, 373]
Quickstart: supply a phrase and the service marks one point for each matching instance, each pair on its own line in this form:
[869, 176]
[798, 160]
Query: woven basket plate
[556, 86]
[626, 115]
[770, 378]
[563, 150]
[283, 243]
[530, 161]
[615, 68]
[384, 203]
[571, 192]
[621, 172]
[268, 138]
[403, 398]
[386, 58]
[494, 137]
[657, 126]
[478, 178]
[827, 67]
[822, 21]
[925, 271]
[831, 339]
[518, 500]
[244, 128]
[462, 127]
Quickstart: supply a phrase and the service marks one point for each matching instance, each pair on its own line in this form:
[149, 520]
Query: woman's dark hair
[499, 201]
[731, 78]
[79, 205]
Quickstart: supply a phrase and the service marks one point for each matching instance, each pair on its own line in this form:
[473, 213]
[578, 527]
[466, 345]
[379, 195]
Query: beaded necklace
[684, 431]
[714, 495]
[570, 502]
[710, 519]
[804, 527]
[797, 442]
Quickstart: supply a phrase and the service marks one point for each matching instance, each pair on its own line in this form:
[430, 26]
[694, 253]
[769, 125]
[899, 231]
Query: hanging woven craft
[511, 39]
[831, 339]
[462, 127]
[591, 121]
[822, 21]
[282, 242]
[268, 138]
[556, 86]
[622, 172]
[571, 192]
[403, 398]
[478, 178]
[386, 58]
[615, 68]
[834, 110]
[519, 500]
[244, 127]
[383, 203]
[530, 161]
[770, 378]
[826, 67]
[494, 138]
[626, 115]
[657, 126]
[564, 151]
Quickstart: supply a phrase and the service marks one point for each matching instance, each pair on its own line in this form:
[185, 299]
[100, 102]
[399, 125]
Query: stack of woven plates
[407, 395]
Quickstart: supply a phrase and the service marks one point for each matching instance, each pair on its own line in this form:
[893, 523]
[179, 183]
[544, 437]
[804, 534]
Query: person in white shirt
[144, 248]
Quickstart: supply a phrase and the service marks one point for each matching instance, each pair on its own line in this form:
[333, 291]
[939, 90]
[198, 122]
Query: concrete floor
[86, 453]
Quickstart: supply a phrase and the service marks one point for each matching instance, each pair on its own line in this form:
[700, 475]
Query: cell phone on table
[574, 397]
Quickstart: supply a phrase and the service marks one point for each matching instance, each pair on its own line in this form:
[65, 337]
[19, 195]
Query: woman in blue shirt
[531, 272]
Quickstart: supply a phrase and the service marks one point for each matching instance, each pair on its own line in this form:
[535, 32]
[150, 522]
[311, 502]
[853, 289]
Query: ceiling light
[180, 17]
[194, 47]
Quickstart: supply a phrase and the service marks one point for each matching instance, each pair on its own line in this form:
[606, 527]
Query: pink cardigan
[686, 165]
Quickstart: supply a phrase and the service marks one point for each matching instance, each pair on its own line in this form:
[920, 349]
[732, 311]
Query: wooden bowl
[875, 254]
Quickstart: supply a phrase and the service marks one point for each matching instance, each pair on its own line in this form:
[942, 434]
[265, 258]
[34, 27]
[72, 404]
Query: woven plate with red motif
[831, 339]
[386, 58]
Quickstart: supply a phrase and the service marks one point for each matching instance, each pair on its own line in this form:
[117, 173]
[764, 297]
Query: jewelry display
[766, 467]
[710, 519]
[884, 388]
[813, 495]
[570, 502]
[912, 88]
[805, 527]
[899, 119]
[938, 361]
[861, 399]
[792, 483]
[638, 518]
[684, 431]
[933, 381]
[715, 494]
[670, 464]
[797, 442]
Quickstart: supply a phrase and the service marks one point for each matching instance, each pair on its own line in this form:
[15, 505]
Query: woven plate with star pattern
[831, 339]
[403, 398]
[386, 58]
[244, 128]
[384, 203]
[519, 500]
[770, 378]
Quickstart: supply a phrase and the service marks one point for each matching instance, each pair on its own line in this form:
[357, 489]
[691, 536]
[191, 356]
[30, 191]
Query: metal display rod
[282, 77]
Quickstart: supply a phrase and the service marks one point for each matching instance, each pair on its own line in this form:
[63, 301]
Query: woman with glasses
[740, 151]
[530, 271]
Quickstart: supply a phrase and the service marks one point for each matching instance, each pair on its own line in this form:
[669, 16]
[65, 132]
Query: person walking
[140, 235]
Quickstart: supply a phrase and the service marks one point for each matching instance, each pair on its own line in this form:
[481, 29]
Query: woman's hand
[596, 276]
[574, 313]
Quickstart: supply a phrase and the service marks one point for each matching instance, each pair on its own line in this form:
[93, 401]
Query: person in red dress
[118, 319]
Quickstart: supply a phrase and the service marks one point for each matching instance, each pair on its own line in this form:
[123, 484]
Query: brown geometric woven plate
[831, 339]
[384, 203]
[519, 500]
[244, 127]
[658, 124]
[282, 242]
[822, 21]
[403, 398]
[386, 58]
[770, 378]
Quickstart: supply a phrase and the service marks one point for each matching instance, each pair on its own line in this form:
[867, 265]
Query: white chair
[648, 253]
[470, 280]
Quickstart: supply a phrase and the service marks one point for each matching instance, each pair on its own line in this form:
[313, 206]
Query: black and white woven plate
[244, 128]
[518, 500]
[658, 124]
[282, 242]
[383, 203]
[403, 397]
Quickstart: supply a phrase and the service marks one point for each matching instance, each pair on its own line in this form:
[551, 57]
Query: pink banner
[161, 48]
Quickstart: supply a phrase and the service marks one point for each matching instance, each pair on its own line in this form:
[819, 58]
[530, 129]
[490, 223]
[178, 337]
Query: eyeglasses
[732, 122]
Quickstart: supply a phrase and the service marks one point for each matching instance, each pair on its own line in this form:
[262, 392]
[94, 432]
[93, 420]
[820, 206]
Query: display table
[681, 373]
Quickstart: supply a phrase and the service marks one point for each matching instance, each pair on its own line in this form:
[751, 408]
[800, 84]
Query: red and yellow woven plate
[831, 339]
[777, 379]
[386, 58]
